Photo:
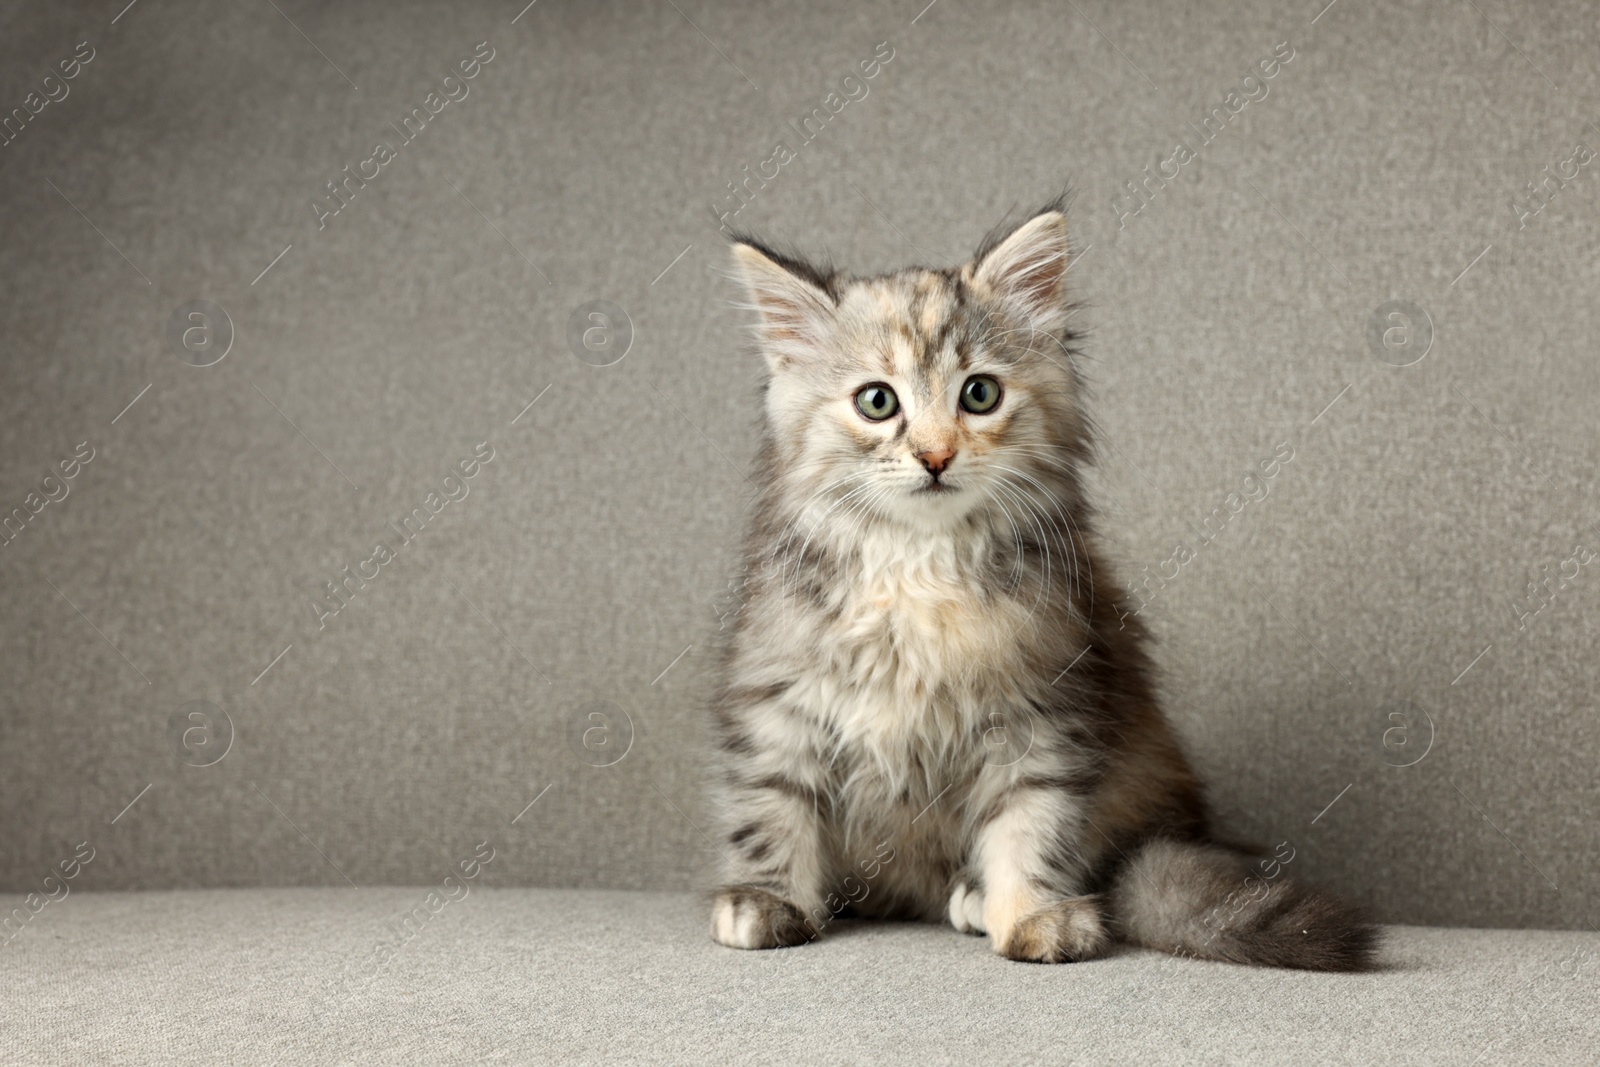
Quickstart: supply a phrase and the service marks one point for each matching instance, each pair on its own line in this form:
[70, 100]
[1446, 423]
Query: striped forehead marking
[920, 313]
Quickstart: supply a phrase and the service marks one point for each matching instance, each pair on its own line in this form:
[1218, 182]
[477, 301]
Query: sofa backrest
[478, 312]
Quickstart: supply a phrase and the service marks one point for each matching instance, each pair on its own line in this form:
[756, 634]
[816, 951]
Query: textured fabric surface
[558, 976]
[1369, 608]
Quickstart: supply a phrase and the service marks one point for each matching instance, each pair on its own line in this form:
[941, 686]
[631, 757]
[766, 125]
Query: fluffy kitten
[932, 706]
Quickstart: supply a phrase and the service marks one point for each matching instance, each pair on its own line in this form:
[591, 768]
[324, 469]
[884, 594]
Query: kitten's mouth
[934, 485]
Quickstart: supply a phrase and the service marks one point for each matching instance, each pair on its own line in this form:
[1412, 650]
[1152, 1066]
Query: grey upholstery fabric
[560, 976]
[374, 348]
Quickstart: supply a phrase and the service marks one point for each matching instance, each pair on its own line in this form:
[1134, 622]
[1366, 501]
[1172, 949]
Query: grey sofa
[287, 280]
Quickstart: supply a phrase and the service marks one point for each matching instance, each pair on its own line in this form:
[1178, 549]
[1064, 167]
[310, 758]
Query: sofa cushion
[534, 976]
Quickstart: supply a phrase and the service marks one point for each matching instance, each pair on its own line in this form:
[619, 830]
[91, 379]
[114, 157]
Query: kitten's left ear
[1028, 269]
[796, 310]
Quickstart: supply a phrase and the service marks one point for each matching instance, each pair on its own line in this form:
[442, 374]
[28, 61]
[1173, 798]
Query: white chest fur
[920, 653]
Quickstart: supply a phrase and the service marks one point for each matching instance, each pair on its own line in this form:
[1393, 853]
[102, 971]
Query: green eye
[877, 401]
[980, 395]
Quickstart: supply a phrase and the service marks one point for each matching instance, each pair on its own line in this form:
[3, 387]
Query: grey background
[595, 548]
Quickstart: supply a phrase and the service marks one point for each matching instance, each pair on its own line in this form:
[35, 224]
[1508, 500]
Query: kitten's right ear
[796, 310]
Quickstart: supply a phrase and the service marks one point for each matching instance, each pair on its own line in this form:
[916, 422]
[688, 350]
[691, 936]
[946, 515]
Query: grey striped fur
[932, 704]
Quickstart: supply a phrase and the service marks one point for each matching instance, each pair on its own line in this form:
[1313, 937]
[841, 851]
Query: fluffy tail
[1212, 902]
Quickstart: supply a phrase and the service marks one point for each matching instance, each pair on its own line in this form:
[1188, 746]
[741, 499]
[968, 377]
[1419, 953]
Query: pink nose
[937, 459]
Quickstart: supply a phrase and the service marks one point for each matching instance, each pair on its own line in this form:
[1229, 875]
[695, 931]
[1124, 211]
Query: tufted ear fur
[1028, 269]
[792, 298]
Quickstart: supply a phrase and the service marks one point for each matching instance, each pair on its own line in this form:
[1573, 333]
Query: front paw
[743, 916]
[1064, 931]
[966, 909]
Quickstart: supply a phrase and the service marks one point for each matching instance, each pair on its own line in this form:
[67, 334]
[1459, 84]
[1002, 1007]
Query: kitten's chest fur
[920, 648]
[915, 651]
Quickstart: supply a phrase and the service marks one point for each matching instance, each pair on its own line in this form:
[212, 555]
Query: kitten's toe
[1065, 931]
[966, 909]
[747, 917]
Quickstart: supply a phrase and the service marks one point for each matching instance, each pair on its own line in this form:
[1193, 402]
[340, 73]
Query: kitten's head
[922, 397]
